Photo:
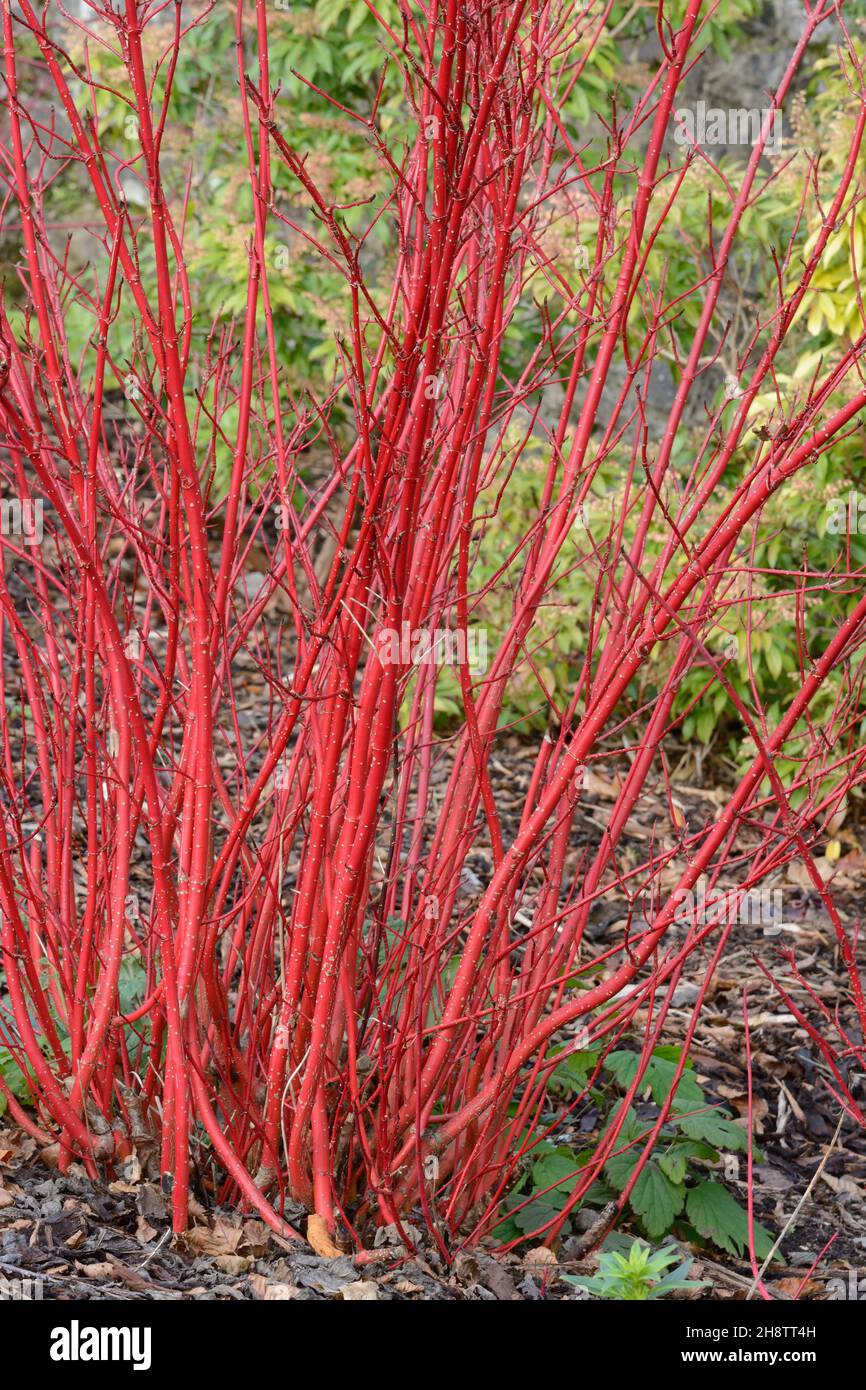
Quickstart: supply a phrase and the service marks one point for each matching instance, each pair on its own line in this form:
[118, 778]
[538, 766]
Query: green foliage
[716, 1216]
[131, 987]
[131, 984]
[673, 1192]
[642, 1274]
[340, 46]
[14, 1078]
[333, 43]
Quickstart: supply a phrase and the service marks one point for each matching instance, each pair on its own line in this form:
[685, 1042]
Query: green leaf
[705, 723]
[618, 1168]
[774, 657]
[14, 1078]
[659, 1076]
[674, 1163]
[572, 1075]
[718, 1217]
[716, 1129]
[539, 1213]
[657, 1200]
[558, 1168]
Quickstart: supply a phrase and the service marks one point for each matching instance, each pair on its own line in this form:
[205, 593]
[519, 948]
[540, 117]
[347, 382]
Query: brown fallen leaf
[843, 1187]
[256, 1236]
[144, 1232]
[95, 1271]
[850, 869]
[271, 1291]
[466, 1267]
[793, 1285]
[597, 785]
[540, 1255]
[127, 1276]
[361, 1292]
[320, 1239]
[406, 1286]
[233, 1264]
[220, 1239]
[131, 1168]
[799, 875]
[6, 1198]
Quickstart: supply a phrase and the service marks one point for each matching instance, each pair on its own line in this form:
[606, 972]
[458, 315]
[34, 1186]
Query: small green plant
[638, 1276]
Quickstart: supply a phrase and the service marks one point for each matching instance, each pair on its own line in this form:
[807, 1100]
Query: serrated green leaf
[657, 1200]
[677, 1158]
[718, 1217]
[618, 1167]
[716, 1129]
[538, 1213]
[659, 1076]
[557, 1168]
[572, 1075]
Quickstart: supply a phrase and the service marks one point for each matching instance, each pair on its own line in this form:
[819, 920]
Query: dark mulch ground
[112, 1240]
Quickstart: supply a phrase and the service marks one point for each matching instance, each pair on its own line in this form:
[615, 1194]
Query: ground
[111, 1240]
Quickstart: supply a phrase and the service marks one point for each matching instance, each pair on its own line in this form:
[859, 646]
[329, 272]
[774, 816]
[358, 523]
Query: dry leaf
[271, 1292]
[233, 1264]
[799, 875]
[6, 1198]
[131, 1168]
[144, 1232]
[95, 1271]
[595, 784]
[361, 1292]
[220, 1239]
[541, 1255]
[256, 1236]
[792, 1285]
[466, 1267]
[843, 1187]
[319, 1237]
[850, 869]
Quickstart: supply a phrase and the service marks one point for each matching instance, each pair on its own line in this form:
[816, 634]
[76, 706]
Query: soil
[112, 1239]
